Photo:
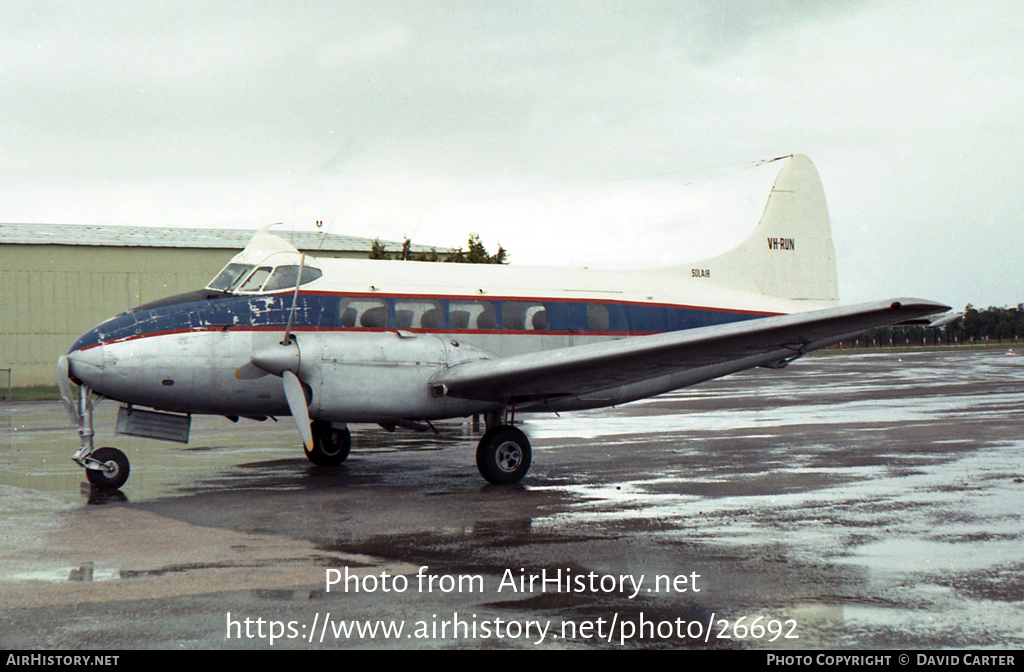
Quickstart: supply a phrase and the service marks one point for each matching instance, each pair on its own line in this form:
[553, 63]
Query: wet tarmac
[856, 501]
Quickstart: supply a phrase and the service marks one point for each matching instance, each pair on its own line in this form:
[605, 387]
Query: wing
[671, 360]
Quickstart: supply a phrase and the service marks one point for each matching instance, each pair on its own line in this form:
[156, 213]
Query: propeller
[283, 359]
[64, 383]
[295, 297]
[296, 397]
[249, 371]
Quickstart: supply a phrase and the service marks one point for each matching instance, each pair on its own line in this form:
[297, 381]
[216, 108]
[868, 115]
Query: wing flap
[589, 368]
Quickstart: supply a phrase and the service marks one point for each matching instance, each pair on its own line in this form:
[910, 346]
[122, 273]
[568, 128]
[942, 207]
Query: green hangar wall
[58, 281]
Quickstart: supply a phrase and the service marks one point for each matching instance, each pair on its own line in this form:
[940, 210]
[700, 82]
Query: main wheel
[115, 469]
[503, 455]
[330, 446]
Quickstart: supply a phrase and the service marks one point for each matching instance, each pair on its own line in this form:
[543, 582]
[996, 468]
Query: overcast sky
[611, 135]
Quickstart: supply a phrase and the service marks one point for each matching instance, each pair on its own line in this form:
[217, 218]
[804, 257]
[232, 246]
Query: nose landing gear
[106, 468]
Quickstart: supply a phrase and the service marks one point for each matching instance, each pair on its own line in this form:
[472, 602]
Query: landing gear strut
[106, 468]
[331, 445]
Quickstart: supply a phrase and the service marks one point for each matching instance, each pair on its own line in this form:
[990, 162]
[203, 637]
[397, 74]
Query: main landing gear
[331, 445]
[106, 468]
[503, 454]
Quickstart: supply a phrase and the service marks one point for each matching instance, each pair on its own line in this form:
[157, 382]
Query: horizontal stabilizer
[943, 320]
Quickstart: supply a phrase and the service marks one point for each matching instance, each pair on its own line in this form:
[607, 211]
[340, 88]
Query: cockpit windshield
[229, 279]
[242, 278]
[256, 280]
[284, 277]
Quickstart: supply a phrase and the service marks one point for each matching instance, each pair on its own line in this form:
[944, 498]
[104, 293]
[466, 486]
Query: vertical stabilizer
[790, 254]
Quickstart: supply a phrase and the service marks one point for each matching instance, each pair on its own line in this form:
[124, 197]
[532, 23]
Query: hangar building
[59, 280]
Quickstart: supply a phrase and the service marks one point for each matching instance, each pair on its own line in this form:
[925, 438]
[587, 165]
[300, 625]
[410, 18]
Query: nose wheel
[107, 468]
[503, 455]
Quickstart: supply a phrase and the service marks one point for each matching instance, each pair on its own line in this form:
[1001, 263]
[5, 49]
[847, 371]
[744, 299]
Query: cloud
[548, 126]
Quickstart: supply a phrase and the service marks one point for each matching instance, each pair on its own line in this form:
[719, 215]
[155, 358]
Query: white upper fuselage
[642, 286]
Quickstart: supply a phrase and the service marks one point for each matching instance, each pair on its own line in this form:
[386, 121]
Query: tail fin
[790, 254]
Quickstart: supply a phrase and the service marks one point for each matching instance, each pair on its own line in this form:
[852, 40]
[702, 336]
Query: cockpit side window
[228, 279]
[284, 277]
[255, 280]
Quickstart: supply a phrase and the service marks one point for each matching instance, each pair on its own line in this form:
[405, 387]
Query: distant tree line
[475, 254]
[991, 324]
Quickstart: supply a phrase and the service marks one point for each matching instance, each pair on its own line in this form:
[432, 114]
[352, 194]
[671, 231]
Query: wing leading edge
[642, 366]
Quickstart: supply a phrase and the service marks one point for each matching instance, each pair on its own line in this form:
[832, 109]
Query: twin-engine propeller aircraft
[332, 342]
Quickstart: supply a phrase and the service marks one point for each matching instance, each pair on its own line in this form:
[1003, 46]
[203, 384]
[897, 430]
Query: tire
[330, 446]
[503, 455]
[116, 472]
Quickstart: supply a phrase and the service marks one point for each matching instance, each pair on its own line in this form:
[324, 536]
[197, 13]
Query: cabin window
[365, 313]
[418, 314]
[228, 279]
[472, 315]
[524, 315]
[597, 317]
[284, 277]
[256, 280]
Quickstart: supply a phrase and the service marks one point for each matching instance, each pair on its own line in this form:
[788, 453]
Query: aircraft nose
[86, 365]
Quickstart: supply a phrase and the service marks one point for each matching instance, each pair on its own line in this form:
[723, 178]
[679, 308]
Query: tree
[378, 251]
[475, 254]
[993, 323]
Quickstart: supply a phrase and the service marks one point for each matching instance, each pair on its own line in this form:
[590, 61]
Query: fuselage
[371, 334]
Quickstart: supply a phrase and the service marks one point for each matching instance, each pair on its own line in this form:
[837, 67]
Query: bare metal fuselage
[185, 357]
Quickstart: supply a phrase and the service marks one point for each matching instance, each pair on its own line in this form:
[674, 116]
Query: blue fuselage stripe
[315, 312]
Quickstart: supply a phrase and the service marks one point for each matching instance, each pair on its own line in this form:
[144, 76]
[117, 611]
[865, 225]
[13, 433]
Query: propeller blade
[296, 397]
[249, 371]
[64, 383]
[295, 298]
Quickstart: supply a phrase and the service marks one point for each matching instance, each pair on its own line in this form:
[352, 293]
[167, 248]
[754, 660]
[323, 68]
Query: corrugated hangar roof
[146, 236]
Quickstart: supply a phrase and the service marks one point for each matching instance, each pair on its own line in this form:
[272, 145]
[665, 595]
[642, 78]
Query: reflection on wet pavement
[876, 499]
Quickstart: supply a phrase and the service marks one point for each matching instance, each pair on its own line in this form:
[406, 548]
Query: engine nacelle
[384, 377]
